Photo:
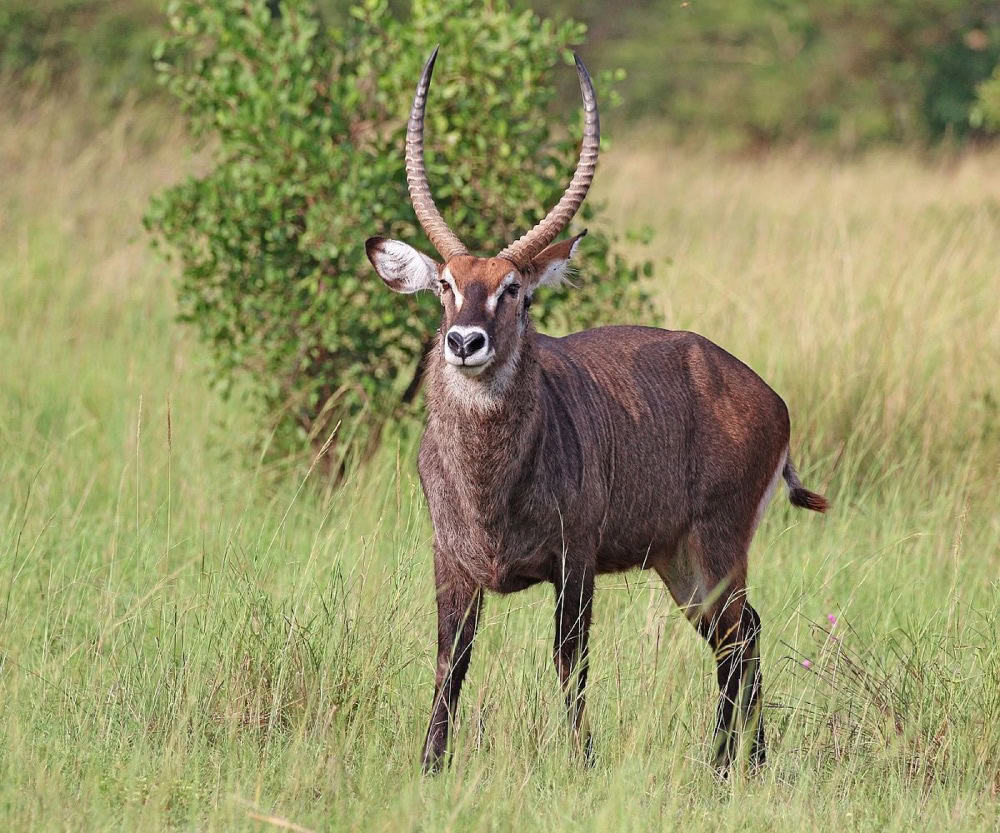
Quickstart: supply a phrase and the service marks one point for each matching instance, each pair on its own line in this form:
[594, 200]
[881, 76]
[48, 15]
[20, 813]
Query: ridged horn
[524, 250]
[442, 237]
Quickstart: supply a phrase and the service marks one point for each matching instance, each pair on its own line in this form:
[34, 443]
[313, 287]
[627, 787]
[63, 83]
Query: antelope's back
[663, 426]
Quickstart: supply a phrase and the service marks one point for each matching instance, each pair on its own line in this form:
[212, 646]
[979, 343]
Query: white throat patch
[480, 395]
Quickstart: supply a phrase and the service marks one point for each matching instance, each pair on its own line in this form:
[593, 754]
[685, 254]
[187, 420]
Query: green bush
[308, 131]
[987, 110]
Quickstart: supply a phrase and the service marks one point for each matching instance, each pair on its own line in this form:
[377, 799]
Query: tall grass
[192, 638]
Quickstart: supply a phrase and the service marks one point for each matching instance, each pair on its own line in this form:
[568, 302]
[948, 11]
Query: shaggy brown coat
[607, 450]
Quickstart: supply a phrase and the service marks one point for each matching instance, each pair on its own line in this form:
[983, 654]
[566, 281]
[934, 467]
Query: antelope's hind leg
[734, 634]
[707, 579]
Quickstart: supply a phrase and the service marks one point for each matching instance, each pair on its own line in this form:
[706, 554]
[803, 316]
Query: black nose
[465, 345]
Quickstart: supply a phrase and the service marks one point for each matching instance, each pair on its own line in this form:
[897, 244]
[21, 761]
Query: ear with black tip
[551, 265]
[401, 267]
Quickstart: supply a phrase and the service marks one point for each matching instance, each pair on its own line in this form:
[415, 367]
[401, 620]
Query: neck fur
[487, 431]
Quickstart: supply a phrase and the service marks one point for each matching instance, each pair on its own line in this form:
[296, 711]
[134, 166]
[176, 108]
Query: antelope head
[484, 300]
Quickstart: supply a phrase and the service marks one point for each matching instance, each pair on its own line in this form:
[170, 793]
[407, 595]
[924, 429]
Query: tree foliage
[845, 72]
[987, 111]
[308, 128]
[848, 73]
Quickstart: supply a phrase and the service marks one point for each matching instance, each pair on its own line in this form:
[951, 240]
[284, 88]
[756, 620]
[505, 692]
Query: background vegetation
[846, 73]
[308, 129]
[193, 636]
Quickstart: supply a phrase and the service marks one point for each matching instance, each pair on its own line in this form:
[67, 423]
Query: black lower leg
[737, 655]
[458, 614]
[574, 598]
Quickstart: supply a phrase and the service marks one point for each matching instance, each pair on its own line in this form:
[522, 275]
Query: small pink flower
[807, 663]
[831, 619]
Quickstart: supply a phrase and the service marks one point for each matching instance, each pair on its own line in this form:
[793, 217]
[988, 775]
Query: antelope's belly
[501, 566]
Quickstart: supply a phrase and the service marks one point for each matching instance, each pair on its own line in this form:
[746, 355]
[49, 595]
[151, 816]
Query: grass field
[194, 640]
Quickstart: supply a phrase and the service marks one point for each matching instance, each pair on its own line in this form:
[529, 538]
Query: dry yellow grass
[866, 291]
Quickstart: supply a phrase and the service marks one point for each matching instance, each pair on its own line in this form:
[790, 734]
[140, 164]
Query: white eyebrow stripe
[494, 299]
[459, 297]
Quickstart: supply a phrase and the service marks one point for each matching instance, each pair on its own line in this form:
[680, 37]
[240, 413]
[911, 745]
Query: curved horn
[524, 250]
[442, 237]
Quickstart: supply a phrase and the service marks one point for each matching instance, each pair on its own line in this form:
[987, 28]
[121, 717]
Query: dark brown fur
[607, 450]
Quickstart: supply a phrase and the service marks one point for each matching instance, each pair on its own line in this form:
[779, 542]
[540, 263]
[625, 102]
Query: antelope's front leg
[459, 604]
[574, 600]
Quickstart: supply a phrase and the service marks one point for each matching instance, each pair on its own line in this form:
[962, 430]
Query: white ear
[402, 267]
[552, 265]
[554, 272]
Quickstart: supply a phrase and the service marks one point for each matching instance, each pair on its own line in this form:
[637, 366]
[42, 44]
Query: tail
[798, 494]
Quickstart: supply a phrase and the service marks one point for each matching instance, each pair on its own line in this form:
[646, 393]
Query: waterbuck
[558, 459]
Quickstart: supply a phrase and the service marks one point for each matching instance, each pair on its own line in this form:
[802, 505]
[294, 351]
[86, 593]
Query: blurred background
[845, 74]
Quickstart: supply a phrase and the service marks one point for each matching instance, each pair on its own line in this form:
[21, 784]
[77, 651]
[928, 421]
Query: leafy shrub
[308, 134]
[987, 110]
[955, 68]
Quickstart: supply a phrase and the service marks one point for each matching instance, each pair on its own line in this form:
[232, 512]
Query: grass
[193, 639]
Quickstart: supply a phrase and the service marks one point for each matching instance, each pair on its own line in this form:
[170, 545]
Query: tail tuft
[798, 494]
[808, 500]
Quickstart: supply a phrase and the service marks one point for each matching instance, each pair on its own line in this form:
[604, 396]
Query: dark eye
[513, 289]
[445, 286]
